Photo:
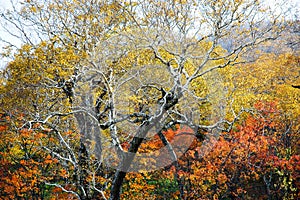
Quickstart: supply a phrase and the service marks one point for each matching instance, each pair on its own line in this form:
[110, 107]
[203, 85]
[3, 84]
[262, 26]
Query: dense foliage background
[96, 85]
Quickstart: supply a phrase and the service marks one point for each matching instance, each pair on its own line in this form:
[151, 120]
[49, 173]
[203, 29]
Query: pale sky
[6, 4]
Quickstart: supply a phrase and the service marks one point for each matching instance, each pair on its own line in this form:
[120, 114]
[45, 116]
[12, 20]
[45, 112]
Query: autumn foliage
[258, 158]
[251, 161]
[178, 99]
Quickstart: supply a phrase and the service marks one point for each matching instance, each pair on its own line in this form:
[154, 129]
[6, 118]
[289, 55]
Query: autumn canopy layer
[179, 99]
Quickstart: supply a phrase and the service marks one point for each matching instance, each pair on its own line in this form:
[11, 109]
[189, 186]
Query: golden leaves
[269, 78]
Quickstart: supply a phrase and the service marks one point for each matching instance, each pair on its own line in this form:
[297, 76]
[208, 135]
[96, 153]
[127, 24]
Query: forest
[150, 99]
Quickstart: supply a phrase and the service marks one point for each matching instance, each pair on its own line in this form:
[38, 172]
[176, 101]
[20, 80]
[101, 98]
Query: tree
[93, 57]
[269, 78]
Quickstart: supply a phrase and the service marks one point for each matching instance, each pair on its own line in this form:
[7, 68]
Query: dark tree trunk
[125, 164]
[117, 185]
[128, 158]
[135, 143]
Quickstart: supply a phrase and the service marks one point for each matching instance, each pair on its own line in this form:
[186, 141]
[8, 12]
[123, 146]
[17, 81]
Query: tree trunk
[117, 185]
[134, 146]
[125, 164]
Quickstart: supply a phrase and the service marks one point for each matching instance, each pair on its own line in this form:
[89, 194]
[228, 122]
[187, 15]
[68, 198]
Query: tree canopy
[152, 99]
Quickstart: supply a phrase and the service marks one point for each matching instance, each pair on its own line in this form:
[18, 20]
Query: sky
[6, 4]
